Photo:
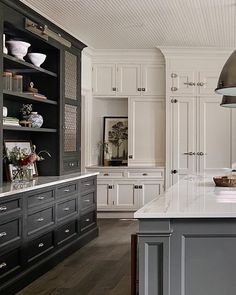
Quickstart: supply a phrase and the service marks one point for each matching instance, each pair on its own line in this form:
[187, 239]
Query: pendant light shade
[227, 80]
[228, 101]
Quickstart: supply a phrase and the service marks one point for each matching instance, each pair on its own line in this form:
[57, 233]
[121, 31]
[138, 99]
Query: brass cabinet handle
[3, 234]
[40, 219]
[3, 208]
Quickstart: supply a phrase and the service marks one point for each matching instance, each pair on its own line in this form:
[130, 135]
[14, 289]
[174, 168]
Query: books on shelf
[10, 121]
[37, 95]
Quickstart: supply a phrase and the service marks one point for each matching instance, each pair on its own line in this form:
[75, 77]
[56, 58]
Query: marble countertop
[11, 188]
[195, 196]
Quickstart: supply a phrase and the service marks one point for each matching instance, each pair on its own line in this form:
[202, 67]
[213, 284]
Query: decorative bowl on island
[225, 181]
[37, 58]
[18, 49]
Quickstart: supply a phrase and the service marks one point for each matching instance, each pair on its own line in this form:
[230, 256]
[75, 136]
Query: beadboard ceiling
[144, 24]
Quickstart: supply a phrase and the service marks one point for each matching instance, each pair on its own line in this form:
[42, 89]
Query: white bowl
[18, 48]
[37, 58]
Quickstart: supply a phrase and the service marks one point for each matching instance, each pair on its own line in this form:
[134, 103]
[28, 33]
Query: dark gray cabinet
[50, 223]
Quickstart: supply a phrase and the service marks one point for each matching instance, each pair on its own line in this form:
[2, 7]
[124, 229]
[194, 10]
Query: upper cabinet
[128, 79]
[193, 82]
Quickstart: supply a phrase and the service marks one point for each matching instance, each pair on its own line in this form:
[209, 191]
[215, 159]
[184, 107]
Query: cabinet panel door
[125, 195]
[182, 82]
[104, 79]
[153, 80]
[146, 131]
[149, 191]
[207, 81]
[104, 194]
[128, 79]
[215, 135]
[184, 136]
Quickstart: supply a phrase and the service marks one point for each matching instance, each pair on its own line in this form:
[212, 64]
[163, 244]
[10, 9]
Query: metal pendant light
[227, 80]
[228, 101]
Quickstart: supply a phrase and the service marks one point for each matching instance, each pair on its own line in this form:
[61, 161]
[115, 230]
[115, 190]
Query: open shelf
[28, 129]
[19, 66]
[26, 97]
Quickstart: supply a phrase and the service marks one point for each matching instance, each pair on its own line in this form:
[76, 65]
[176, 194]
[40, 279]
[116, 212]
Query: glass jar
[7, 81]
[17, 83]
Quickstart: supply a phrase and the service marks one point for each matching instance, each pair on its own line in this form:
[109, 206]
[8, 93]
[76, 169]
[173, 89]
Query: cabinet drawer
[67, 190]
[39, 220]
[111, 175]
[40, 246]
[66, 232]
[10, 206]
[147, 174]
[87, 201]
[41, 198]
[10, 232]
[87, 221]
[66, 209]
[88, 184]
[70, 165]
[9, 263]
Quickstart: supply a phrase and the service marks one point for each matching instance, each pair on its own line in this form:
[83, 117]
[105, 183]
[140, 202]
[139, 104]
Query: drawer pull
[87, 201]
[40, 219]
[66, 190]
[87, 184]
[106, 174]
[41, 198]
[3, 208]
[67, 231]
[3, 264]
[87, 220]
[3, 234]
[66, 209]
[40, 245]
[145, 174]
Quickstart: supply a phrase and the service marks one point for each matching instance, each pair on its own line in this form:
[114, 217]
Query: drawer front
[10, 206]
[87, 221]
[67, 190]
[111, 175]
[87, 201]
[71, 165]
[66, 209]
[10, 232]
[147, 174]
[9, 263]
[39, 220]
[88, 184]
[41, 198]
[40, 246]
[66, 232]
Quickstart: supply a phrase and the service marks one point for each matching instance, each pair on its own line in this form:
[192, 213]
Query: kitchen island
[187, 240]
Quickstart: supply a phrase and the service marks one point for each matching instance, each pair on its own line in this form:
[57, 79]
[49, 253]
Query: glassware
[7, 81]
[17, 83]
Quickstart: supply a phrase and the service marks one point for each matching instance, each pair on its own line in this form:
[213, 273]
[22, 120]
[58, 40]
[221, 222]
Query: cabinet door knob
[200, 84]
[174, 88]
[200, 154]
[139, 89]
[173, 75]
[174, 100]
[135, 186]
[174, 171]
[130, 156]
[113, 88]
[143, 89]
[140, 187]
[3, 208]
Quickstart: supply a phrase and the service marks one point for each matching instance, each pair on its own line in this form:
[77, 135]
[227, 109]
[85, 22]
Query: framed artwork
[26, 147]
[115, 139]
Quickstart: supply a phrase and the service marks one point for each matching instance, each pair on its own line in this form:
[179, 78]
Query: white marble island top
[11, 188]
[192, 197]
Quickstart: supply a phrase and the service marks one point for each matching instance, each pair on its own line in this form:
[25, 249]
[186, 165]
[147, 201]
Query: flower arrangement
[19, 157]
[26, 110]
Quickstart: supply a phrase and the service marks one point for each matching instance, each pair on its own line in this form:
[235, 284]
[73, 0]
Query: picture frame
[115, 141]
[22, 144]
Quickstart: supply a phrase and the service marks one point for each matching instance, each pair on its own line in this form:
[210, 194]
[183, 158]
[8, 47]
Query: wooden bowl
[225, 181]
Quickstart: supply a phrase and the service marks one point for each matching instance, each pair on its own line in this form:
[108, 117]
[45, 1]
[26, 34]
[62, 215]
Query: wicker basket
[225, 181]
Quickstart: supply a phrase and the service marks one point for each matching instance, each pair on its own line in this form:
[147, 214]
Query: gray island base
[187, 240]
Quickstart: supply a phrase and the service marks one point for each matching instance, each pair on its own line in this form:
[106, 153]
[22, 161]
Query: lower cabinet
[40, 228]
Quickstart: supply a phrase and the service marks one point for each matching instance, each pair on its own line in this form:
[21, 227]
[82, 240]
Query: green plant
[26, 110]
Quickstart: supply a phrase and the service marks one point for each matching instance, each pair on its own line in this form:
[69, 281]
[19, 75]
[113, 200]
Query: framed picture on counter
[24, 146]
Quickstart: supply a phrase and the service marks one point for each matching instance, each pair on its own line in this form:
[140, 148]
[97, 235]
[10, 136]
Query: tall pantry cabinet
[199, 130]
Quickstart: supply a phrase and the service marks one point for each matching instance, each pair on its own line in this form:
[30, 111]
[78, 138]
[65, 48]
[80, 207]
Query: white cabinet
[125, 195]
[104, 194]
[128, 79]
[201, 135]
[149, 190]
[194, 82]
[104, 79]
[146, 119]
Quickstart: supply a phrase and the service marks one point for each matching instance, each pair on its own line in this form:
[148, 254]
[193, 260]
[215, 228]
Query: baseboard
[115, 214]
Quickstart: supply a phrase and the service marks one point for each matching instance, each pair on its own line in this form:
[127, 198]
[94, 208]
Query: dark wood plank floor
[100, 268]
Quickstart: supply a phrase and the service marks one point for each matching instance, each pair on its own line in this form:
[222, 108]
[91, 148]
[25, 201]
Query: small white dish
[18, 48]
[37, 58]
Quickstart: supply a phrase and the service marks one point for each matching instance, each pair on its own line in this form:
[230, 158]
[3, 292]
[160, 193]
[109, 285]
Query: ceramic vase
[36, 119]
[4, 45]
